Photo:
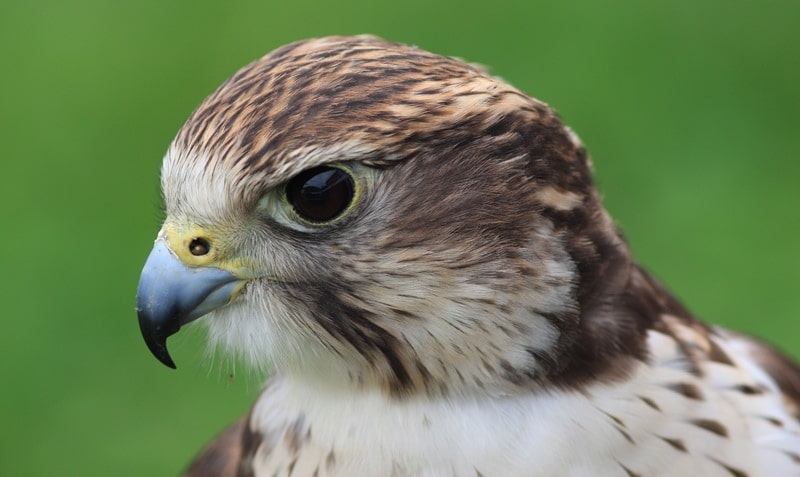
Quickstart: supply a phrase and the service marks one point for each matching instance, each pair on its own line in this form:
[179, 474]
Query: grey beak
[172, 294]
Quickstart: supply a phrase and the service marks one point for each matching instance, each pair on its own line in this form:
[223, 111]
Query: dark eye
[320, 194]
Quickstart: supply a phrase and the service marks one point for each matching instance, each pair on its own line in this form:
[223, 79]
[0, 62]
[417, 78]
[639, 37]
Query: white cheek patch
[268, 335]
[251, 328]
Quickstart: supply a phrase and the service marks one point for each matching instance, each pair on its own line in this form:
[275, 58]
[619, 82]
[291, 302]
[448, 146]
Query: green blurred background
[690, 110]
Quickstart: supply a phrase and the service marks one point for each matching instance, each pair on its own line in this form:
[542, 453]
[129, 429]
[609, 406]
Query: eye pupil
[199, 246]
[320, 194]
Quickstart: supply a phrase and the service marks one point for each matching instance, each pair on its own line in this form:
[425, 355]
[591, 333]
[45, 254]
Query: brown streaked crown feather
[392, 99]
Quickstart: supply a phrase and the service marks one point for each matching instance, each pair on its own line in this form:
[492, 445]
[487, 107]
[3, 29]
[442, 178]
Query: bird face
[364, 214]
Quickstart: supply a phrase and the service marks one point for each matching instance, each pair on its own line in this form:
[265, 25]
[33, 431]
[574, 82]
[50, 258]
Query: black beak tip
[155, 336]
[159, 350]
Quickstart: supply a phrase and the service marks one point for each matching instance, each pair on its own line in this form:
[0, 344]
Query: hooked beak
[171, 294]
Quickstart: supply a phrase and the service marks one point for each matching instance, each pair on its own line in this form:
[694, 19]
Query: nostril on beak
[199, 246]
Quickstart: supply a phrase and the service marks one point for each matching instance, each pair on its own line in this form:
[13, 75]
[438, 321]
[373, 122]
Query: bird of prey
[418, 252]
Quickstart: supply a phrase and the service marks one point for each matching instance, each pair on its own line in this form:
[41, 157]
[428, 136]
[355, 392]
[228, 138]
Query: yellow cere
[178, 238]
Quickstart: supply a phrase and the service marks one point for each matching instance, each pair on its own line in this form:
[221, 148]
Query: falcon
[418, 254]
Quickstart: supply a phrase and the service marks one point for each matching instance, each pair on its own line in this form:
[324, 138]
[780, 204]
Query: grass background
[690, 110]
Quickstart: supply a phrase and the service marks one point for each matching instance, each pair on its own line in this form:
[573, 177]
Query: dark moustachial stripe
[359, 329]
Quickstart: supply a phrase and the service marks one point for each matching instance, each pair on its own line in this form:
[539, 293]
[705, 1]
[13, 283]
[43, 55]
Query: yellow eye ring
[280, 204]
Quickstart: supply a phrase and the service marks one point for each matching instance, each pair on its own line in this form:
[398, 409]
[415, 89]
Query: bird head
[364, 214]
